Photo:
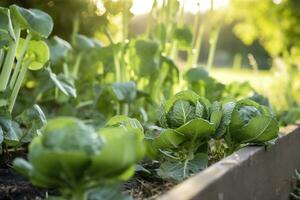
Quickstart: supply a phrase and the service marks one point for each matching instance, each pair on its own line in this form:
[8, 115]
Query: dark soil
[15, 187]
[147, 189]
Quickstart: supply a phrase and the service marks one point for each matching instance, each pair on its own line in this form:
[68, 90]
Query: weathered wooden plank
[252, 173]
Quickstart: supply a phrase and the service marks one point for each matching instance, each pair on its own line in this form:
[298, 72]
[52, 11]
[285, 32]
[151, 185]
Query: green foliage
[185, 118]
[199, 81]
[38, 23]
[295, 195]
[248, 122]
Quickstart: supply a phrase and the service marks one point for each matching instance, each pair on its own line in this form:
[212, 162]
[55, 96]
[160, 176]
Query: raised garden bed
[250, 173]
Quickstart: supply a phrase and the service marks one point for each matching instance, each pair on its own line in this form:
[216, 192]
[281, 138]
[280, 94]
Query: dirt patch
[15, 187]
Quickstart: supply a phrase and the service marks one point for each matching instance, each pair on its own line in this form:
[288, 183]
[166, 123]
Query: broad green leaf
[169, 138]
[11, 131]
[146, 52]
[59, 49]
[180, 170]
[184, 36]
[226, 119]
[23, 167]
[181, 113]
[196, 74]
[6, 28]
[108, 192]
[37, 53]
[33, 119]
[121, 150]
[197, 128]
[83, 43]
[259, 129]
[36, 21]
[70, 134]
[62, 83]
[124, 91]
[126, 123]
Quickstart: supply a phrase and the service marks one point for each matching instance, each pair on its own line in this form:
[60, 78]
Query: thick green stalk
[19, 62]
[157, 86]
[197, 49]
[17, 86]
[125, 21]
[212, 48]
[9, 60]
[2, 55]
[79, 194]
[76, 66]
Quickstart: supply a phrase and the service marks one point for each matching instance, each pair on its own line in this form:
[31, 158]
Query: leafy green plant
[245, 122]
[31, 53]
[14, 132]
[188, 122]
[72, 157]
[295, 195]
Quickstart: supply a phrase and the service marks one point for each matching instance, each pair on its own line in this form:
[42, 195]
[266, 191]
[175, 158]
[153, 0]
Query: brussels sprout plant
[187, 124]
[75, 158]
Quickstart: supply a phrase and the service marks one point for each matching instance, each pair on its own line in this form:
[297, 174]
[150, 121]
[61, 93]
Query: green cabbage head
[246, 122]
[185, 116]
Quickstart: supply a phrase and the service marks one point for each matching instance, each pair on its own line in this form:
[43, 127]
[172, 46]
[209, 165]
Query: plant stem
[124, 40]
[2, 55]
[212, 49]
[125, 107]
[9, 60]
[17, 86]
[19, 62]
[79, 194]
[76, 66]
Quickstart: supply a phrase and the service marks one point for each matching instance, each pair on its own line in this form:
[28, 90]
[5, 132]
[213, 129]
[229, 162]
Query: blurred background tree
[91, 20]
[64, 14]
[275, 23]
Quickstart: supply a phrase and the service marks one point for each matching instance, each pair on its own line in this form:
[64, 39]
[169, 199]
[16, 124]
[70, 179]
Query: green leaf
[168, 138]
[181, 113]
[146, 52]
[83, 43]
[259, 129]
[37, 53]
[6, 28]
[33, 119]
[180, 170]
[124, 91]
[125, 122]
[184, 37]
[23, 167]
[108, 192]
[121, 150]
[11, 131]
[216, 114]
[62, 83]
[70, 134]
[38, 23]
[59, 49]
[196, 74]
[1, 136]
[197, 128]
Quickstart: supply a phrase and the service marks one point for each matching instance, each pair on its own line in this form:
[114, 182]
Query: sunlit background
[246, 37]
[144, 6]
